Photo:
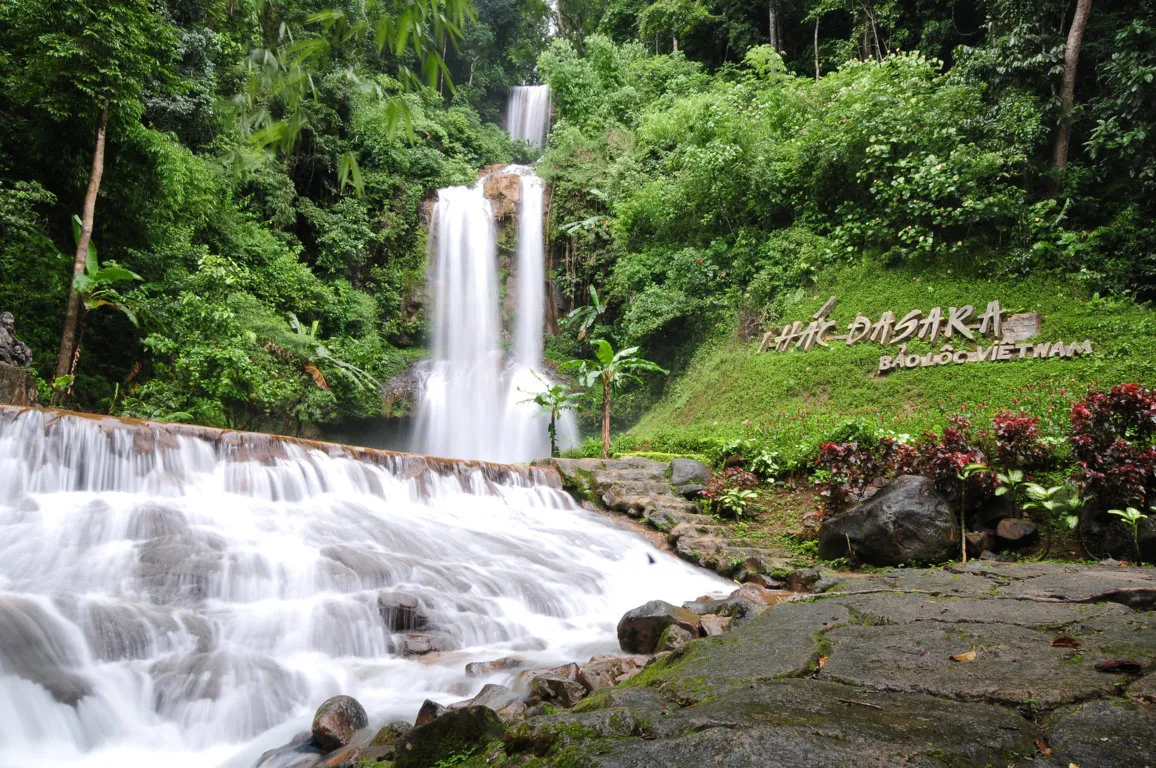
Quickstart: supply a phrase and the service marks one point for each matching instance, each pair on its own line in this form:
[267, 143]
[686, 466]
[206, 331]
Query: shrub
[845, 471]
[942, 458]
[732, 491]
[1112, 437]
[1018, 441]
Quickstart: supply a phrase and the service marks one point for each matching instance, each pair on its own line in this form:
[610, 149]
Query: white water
[528, 113]
[167, 600]
[476, 404]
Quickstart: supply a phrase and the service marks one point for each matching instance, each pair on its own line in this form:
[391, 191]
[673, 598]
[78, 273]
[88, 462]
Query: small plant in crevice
[732, 492]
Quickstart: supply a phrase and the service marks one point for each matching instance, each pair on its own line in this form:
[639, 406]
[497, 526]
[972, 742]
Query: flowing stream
[185, 597]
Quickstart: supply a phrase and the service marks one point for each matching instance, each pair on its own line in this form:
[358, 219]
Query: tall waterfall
[528, 113]
[477, 404]
[186, 597]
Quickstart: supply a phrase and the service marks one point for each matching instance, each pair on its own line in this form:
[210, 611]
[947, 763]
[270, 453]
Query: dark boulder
[640, 629]
[499, 698]
[907, 522]
[401, 612]
[336, 722]
[688, 471]
[430, 710]
[690, 491]
[1106, 535]
[454, 733]
[391, 733]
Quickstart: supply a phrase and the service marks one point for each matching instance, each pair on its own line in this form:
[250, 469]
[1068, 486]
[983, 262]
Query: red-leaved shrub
[942, 458]
[1018, 441]
[1112, 437]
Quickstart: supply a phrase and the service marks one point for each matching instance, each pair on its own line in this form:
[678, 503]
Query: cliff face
[16, 386]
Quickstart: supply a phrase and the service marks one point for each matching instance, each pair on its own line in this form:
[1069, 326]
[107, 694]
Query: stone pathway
[643, 489]
[990, 665]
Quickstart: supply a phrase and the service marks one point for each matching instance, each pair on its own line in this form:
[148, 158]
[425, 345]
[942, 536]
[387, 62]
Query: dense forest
[259, 253]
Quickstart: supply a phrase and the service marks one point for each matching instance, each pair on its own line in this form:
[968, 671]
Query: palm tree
[610, 369]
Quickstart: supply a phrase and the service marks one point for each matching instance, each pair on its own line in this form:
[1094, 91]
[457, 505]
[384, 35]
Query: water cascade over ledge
[528, 113]
[184, 596]
[476, 402]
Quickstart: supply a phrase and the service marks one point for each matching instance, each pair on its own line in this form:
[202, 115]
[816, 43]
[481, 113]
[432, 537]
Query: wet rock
[466, 730]
[565, 672]
[300, 752]
[640, 629]
[499, 698]
[690, 491]
[391, 733]
[401, 612]
[688, 471]
[673, 638]
[430, 710]
[151, 521]
[907, 522]
[1017, 533]
[483, 668]
[336, 721]
[605, 671]
[423, 643]
[714, 625]
[563, 692]
[746, 602]
[36, 646]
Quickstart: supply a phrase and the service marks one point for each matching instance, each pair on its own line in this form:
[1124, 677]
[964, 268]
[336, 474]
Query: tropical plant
[609, 371]
[732, 492]
[584, 317]
[1010, 483]
[1060, 503]
[1132, 517]
[316, 353]
[94, 288]
[555, 399]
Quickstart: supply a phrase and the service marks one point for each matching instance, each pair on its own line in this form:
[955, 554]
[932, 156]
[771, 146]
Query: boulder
[336, 721]
[979, 542]
[453, 733]
[605, 671]
[714, 625]
[563, 692]
[690, 491]
[401, 612]
[423, 643]
[907, 522]
[673, 638]
[499, 698]
[746, 602]
[565, 672]
[391, 733]
[483, 668]
[1016, 533]
[1106, 535]
[17, 386]
[430, 710]
[688, 471]
[640, 628]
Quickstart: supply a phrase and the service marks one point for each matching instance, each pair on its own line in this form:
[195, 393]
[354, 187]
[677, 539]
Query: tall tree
[84, 63]
[1068, 86]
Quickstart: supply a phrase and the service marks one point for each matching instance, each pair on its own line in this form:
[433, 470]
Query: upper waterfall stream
[178, 596]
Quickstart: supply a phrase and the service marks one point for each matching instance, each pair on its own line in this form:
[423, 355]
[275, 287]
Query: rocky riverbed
[986, 665]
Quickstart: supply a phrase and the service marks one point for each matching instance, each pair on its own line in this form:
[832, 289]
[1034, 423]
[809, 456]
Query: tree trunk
[774, 25]
[1068, 88]
[68, 338]
[816, 48]
[605, 417]
[674, 44]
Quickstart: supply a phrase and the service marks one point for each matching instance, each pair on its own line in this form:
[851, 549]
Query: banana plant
[553, 400]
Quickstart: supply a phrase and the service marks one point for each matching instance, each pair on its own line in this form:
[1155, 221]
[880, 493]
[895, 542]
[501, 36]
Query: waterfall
[186, 597]
[476, 404]
[528, 113]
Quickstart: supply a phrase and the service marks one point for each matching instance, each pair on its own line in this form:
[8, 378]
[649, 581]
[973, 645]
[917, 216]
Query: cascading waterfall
[476, 404]
[528, 113]
[185, 597]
